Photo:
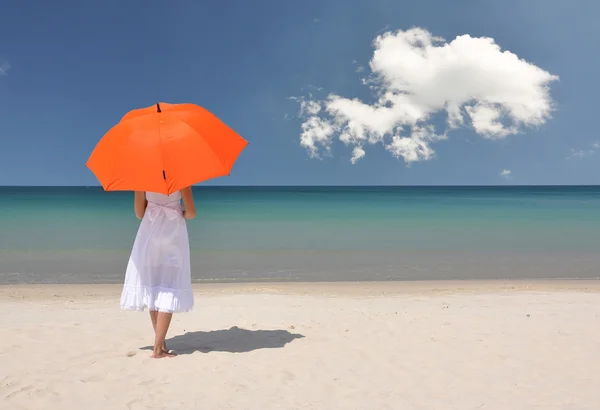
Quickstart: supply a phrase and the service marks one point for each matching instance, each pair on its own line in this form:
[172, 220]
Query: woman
[158, 273]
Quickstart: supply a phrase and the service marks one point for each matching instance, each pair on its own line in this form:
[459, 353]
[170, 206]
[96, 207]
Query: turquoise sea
[83, 234]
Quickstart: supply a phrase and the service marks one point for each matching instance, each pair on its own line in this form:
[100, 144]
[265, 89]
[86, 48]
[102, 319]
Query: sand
[435, 345]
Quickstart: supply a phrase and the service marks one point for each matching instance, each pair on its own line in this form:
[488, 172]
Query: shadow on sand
[234, 340]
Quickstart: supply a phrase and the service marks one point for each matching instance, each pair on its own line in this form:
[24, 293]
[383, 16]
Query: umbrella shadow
[233, 340]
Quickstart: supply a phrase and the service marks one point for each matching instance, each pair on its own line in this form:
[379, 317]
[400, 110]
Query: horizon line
[324, 186]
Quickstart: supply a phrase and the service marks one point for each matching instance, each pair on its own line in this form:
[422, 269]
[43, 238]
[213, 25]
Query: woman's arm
[188, 203]
[139, 204]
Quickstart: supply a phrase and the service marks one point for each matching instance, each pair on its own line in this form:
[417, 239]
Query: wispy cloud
[506, 174]
[579, 153]
[4, 67]
[383, 30]
[415, 76]
[582, 153]
[359, 68]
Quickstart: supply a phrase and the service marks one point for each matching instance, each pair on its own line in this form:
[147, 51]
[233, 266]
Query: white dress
[158, 273]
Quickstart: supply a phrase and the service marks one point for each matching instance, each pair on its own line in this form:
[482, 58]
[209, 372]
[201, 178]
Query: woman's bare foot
[162, 354]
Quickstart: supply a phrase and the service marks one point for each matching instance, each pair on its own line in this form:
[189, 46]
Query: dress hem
[156, 298]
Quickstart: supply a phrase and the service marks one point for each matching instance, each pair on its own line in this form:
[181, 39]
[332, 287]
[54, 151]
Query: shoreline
[265, 267]
[326, 289]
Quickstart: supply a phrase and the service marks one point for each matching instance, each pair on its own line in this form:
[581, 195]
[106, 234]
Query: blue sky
[71, 69]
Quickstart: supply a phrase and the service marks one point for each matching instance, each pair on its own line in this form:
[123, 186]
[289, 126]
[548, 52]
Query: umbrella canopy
[164, 148]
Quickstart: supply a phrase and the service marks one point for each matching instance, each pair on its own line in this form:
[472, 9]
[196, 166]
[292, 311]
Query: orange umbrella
[163, 148]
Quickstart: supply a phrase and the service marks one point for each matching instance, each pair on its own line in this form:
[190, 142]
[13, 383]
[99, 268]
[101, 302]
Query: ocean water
[83, 234]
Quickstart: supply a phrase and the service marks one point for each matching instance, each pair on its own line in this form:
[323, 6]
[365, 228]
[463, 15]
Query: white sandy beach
[436, 345]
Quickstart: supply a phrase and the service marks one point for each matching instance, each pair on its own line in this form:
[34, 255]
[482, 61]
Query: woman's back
[162, 198]
[158, 273]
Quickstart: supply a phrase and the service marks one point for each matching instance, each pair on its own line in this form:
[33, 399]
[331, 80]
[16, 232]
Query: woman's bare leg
[153, 318]
[163, 320]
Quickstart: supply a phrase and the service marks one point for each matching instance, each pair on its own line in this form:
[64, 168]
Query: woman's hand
[188, 202]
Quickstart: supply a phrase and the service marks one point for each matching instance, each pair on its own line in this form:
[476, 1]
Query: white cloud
[4, 67]
[316, 132]
[357, 153]
[506, 174]
[309, 107]
[415, 76]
